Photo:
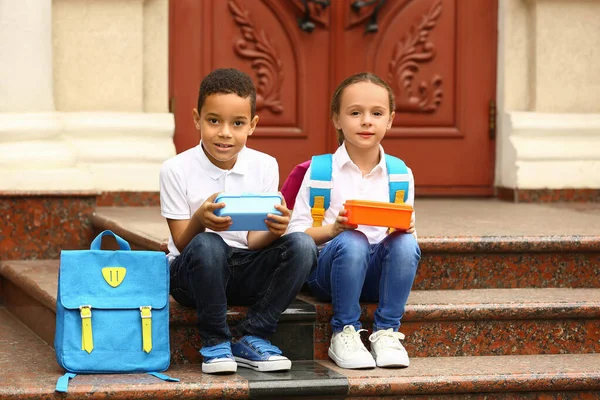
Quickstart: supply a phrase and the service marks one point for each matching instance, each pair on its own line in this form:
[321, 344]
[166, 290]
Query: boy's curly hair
[225, 81]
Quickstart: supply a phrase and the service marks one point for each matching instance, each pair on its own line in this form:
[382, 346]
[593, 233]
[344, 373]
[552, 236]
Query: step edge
[428, 244]
[509, 244]
[414, 312]
[488, 383]
[502, 311]
[349, 385]
[190, 390]
[299, 387]
[140, 239]
[28, 285]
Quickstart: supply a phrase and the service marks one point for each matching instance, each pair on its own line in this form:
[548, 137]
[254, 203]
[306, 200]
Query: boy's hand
[207, 218]
[341, 223]
[278, 224]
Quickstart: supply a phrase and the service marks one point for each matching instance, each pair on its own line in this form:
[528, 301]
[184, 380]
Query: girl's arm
[323, 234]
[411, 201]
[302, 220]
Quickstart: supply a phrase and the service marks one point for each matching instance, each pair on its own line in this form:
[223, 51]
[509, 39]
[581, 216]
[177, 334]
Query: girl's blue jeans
[350, 270]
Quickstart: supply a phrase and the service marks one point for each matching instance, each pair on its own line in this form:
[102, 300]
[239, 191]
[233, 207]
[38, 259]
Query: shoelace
[388, 338]
[220, 350]
[352, 340]
[262, 346]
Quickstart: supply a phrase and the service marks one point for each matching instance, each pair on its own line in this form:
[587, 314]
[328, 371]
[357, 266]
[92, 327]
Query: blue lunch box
[248, 211]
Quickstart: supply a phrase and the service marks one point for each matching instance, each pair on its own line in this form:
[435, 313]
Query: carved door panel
[439, 56]
[290, 68]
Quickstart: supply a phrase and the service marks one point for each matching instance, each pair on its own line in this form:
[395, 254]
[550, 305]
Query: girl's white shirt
[348, 183]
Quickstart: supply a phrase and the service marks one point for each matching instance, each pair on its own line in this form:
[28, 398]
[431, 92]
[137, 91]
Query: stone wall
[548, 94]
[84, 100]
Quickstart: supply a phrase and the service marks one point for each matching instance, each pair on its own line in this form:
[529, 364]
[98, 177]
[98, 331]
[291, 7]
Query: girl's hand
[341, 223]
[411, 228]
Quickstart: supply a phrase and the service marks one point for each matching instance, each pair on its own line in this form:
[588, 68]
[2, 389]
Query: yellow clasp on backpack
[146, 314]
[398, 199]
[87, 341]
[318, 211]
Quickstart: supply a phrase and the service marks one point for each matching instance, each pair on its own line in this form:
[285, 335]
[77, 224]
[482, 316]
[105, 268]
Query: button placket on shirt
[364, 186]
[227, 184]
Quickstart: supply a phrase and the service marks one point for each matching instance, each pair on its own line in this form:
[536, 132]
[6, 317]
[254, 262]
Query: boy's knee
[210, 247]
[302, 247]
[208, 240]
[302, 244]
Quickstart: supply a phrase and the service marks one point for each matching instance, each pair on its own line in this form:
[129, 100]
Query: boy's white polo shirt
[189, 178]
[348, 183]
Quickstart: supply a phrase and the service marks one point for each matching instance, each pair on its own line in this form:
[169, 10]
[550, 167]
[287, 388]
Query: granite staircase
[506, 304]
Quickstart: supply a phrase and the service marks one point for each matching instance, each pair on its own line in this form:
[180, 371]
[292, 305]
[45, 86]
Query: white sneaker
[219, 365]
[387, 349]
[218, 359]
[348, 351]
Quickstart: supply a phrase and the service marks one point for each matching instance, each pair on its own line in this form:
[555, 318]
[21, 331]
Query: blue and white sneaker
[259, 354]
[218, 359]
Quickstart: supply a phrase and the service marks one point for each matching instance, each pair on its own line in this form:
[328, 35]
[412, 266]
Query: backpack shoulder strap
[398, 179]
[320, 186]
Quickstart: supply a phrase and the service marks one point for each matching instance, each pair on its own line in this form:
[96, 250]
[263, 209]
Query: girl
[361, 263]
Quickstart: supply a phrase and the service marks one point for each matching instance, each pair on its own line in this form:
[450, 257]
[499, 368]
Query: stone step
[482, 322]
[436, 323]
[30, 288]
[28, 370]
[480, 256]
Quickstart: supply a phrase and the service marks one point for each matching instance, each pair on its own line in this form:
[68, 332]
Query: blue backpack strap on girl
[320, 183]
[320, 186]
[398, 179]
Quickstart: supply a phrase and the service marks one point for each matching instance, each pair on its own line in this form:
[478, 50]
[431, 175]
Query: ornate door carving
[438, 55]
[290, 68]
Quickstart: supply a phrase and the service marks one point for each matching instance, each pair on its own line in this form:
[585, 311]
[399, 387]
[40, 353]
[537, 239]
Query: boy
[212, 267]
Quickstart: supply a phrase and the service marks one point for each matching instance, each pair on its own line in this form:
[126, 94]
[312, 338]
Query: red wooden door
[290, 68]
[438, 56]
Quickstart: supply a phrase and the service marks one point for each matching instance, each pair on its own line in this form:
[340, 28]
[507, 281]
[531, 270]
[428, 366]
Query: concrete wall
[111, 55]
[84, 94]
[548, 94]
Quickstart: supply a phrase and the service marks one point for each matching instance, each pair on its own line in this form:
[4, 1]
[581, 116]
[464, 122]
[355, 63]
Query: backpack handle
[97, 243]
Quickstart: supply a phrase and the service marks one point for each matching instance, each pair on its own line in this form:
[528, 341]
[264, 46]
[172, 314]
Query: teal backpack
[112, 311]
[320, 183]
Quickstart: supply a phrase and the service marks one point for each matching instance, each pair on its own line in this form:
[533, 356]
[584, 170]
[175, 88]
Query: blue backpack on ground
[112, 311]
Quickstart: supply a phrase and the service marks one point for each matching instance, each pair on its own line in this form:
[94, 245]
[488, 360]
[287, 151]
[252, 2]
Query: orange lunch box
[378, 213]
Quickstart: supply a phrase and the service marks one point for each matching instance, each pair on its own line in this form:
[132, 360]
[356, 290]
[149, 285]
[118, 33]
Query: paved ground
[490, 217]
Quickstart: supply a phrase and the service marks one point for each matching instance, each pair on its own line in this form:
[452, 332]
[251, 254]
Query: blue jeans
[350, 270]
[209, 275]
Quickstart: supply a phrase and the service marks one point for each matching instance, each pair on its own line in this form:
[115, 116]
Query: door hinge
[492, 120]
[172, 105]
